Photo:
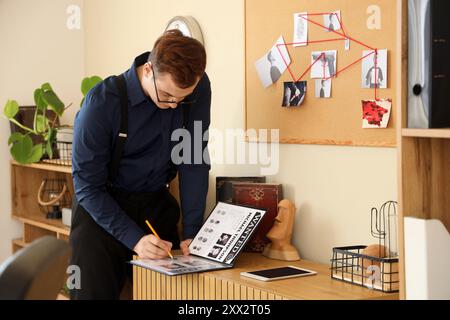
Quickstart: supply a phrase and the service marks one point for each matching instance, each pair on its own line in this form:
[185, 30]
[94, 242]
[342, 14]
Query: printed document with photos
[221, 238]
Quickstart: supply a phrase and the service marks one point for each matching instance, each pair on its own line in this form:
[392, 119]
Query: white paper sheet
[272, 65]
[371, 75]
[332, 21]
[325, 67]
[323, 88]
[300, 29]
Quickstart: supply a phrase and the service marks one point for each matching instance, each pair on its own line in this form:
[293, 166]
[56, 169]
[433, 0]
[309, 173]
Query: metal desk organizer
[53, 195]
[349, 264]
[63, 154]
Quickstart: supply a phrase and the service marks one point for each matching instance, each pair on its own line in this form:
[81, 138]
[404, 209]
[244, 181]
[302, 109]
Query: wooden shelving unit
[45, 166]
[423, 162]
[426, 133]
[25, 182]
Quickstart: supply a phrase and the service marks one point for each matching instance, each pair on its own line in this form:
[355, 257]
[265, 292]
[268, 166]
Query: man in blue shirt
[122, 164]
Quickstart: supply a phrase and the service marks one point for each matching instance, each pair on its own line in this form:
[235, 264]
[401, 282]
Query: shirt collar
[135, 93]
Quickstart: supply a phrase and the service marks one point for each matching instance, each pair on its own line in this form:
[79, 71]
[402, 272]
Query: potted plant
[22, 147]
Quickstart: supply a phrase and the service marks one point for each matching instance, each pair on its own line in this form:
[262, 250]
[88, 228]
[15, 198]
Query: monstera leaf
[87, 84]
[22, 149]
[11, 109]
[52, 100]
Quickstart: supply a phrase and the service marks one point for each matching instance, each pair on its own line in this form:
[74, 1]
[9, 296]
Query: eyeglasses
[190, 99]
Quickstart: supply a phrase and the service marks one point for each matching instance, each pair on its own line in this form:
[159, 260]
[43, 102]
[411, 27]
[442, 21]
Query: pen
[156, 235]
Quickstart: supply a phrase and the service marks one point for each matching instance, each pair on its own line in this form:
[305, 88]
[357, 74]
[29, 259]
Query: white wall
[35, 47]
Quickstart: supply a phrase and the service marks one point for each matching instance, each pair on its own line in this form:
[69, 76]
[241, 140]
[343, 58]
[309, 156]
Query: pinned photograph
[273, 64]
[376, 113]
[323, 64]
[323, 88]
[294, 93]
[332, 20]
[300, 29]
[374, 69]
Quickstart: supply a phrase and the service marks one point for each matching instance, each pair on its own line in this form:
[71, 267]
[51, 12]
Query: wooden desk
[230, 285]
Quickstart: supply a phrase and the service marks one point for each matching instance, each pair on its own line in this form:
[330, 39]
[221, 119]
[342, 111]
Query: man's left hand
[184, 246]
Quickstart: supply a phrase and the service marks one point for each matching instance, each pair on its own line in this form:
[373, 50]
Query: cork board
[333, 121]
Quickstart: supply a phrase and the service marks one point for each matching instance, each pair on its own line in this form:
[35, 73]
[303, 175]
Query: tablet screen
[279, 272]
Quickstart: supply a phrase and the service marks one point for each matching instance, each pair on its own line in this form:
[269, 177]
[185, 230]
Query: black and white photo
[215, 252]
[332, 21]
[323, 88]
[323, 64]
[374, 69]
[300, 29]
[273, 64]
[223, 240]
[294, 93]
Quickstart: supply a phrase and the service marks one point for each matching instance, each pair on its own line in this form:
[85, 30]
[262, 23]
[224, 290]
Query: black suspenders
[123, 132]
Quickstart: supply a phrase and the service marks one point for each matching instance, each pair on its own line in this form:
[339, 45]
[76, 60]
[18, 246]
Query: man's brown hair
[182, 57]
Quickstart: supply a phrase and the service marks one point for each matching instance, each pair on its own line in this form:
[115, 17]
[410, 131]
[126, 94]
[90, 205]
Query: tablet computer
[278, 273]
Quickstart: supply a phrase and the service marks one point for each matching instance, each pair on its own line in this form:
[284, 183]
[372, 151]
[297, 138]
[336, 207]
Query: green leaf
[39, 100]
[51, 99]
[13, 138]
[42, 123]
[81, 104]
[46, 87]
[11, 109]
[52, 135]
[49, 149]
[50, 138]
[21, 149]
[36, 154]
[88, 83]
[54, 102]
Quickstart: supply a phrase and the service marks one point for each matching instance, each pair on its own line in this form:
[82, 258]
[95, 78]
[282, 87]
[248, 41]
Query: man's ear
[148, 69]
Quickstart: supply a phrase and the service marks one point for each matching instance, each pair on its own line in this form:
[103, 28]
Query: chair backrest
[36, 272]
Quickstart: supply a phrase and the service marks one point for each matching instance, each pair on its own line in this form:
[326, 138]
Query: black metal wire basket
[53, 195]
[62, 154]
[380, 270]
[350, 265]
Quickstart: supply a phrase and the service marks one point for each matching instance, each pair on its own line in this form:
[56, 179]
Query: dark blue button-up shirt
[145, 162]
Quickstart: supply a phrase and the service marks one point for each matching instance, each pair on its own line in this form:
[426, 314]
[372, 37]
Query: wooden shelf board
[19, 242]
[427, 133]
[41, 222]
[45, 166]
